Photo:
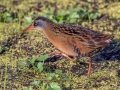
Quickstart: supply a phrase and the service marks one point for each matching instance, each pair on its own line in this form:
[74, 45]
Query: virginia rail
[74, 40]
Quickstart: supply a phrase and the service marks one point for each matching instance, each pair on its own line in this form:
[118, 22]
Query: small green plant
[62, 16]
[71, 15]
[5, 17]
[88, 15]
[50, 82]
[54, 86]
[52, 79]
[3, 49]
[23, 63]
[35, 83]
[50, 86]
[35, 65]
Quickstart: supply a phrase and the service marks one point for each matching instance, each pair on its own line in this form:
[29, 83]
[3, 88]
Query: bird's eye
[35, 24]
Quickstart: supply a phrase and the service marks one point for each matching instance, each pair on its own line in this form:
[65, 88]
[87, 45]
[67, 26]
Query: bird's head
[39, 23]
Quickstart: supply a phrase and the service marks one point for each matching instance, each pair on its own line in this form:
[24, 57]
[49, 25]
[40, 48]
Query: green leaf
[43, 57]
[40, 66]
[93, 16]
[58, 71]
[55, 86]
[35, 68]
[50, 17]
[81, 12]
[74, 15]
[28, 88]
[59, 17]
[57, 76]
[5, 48]
[98, 14]
[22, 63]
[60, 22]
[28, 20]
[9, 19]
[62, 13]
[52, 74]
[55, 21]
[35, 83]
[43, 86]
[73, 20]
[6, 14]
[32, 61]
[51, 89]
[49, 78]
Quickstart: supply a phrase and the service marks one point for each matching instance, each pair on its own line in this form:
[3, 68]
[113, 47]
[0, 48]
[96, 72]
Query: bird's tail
[107, 38]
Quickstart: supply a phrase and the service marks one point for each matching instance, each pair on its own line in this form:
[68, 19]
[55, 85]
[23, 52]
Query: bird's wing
[86, 39]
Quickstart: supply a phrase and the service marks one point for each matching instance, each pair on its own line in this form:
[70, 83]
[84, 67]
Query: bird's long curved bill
[31, 27]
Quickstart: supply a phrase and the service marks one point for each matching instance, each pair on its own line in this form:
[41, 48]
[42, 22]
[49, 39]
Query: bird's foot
[58, 53]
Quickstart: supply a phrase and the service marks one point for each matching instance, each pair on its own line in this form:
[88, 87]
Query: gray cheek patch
[41, 24]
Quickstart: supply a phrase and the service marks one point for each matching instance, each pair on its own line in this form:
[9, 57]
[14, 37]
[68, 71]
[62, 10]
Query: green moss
[113, 10]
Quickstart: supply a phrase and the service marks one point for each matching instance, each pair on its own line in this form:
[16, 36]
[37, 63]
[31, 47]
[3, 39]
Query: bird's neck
[49, 32]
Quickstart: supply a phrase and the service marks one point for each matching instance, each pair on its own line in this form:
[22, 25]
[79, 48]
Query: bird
[71, 39]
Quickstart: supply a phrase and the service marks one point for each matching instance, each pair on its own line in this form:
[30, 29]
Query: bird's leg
[65, 55]
[58, 53]
[89, 66]
[55, 53]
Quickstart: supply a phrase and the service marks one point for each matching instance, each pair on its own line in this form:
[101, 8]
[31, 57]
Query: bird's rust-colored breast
[60, 42]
